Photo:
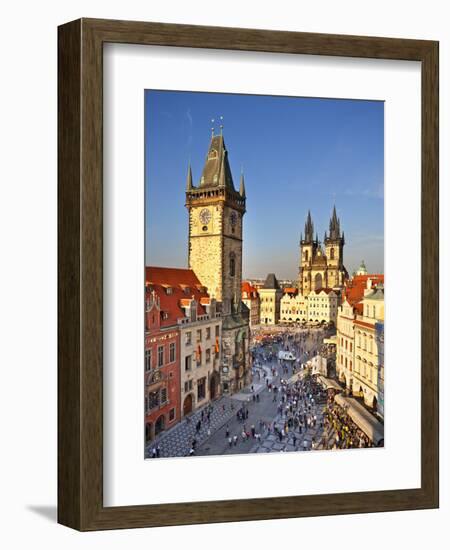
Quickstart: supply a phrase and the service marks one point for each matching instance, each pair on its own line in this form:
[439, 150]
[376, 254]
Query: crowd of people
[347, 434]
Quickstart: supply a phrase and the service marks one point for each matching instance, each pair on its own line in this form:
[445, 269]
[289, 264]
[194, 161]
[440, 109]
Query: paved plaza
[260, 407]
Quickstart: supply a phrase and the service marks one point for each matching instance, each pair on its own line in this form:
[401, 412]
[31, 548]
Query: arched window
[306, 255]
[332, 254]
[232, 265]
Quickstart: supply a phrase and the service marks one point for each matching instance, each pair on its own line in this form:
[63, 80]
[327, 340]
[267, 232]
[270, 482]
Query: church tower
[334, 251]
[308, 250]
[216, 212]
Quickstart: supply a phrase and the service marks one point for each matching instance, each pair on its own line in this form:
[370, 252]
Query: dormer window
[212, 154]
[169, 290]
[187, 290]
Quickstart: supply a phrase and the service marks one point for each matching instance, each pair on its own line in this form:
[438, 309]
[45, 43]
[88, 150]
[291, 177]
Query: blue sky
[296, 153]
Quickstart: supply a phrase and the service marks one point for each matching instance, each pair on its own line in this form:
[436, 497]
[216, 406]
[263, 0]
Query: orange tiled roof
[290, 290]
[250, 290]
[184, 284]
[354, 291]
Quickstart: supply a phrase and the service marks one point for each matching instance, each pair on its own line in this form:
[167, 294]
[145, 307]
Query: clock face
[233, 218]
[205, 216]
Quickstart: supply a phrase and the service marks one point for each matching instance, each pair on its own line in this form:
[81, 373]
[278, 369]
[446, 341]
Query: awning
[328, 384]
[362, 418]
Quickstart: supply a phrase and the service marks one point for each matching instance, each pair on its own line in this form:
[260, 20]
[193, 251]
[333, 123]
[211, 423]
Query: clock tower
[216, 213]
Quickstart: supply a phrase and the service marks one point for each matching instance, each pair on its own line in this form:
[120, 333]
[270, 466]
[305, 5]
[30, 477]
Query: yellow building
[270, 298]
[368, 374]
[293, 306]
[323, 305]
[345, 344]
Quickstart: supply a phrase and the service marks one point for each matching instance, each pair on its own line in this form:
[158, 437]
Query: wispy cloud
[376, 192]
[191, 123]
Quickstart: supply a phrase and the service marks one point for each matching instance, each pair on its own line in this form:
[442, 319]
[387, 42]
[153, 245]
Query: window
[217, 331]
[201, 389]
[188, 339]
[232, 266]
[190, 385]
[306, 257]
[188, 362]
[199, 335]
[148, 360]
[169, 290]
[160, 356]
[208, 355]
[171, 415]
[208, 333]
[153, 400]
[163, 395]
[332, 254]
[171, 352]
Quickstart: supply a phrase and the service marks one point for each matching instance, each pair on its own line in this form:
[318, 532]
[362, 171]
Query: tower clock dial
[205, 216]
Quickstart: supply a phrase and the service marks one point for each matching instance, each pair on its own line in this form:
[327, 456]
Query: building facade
[270, 295]
[161, 368]
[250, 297]
[322, 305]
[352, 305]
[183, 307]
[367, 375]
[293, 306]
[322, 266]
[216, 212]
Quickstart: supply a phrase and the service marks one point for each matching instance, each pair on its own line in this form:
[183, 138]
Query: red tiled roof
[290, 290]
[354, 291]
[162, 278]
[248, 289]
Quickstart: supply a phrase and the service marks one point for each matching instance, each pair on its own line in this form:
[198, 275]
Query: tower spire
[189, 184]
[242, 185]
[309, 228]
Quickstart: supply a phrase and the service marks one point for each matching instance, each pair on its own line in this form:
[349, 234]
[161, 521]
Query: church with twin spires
[322, 264]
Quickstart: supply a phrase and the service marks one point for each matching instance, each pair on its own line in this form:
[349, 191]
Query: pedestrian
[227, 431]
[191, 452]
[305, 445]
[235, 440]
[158, 451]
[153, 452]
[294, 439]
[230, 441]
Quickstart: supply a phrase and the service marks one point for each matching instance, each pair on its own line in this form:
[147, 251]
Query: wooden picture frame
[80, 273]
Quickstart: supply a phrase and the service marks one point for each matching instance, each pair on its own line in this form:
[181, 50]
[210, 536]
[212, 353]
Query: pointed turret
[189, 184]
[309, 229]
[335, 229]
[242, 186]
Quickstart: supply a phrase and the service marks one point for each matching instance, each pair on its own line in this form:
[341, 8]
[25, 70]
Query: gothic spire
[335, 230]
[242, 186]
[309, 229]
[189, 184]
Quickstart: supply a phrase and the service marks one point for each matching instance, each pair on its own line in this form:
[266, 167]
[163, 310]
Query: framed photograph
[235, 208]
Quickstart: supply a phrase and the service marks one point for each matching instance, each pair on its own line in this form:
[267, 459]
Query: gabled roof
[160, 279]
